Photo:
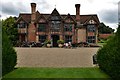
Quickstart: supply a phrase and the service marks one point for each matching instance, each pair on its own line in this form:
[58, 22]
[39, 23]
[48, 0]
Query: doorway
[22, 37]
[55, 38]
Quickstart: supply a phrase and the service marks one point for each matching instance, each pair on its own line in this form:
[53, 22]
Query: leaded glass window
[55, 17]
[68, 27]
[22, 25]
[91, 39]
[55, 25]
[42, 38]
[41, 27]
[91, 28]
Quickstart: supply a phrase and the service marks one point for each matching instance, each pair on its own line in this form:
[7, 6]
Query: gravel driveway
[55, 57]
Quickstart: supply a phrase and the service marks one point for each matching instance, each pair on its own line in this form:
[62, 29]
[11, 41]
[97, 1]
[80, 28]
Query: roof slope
[83, 18]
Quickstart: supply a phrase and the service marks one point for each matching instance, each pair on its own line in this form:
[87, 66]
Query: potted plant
[60, 43]
[48, 43]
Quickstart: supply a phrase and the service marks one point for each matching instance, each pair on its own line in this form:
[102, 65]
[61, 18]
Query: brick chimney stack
[77, 12]
[32, 27]
[33, 7]
[33, 10]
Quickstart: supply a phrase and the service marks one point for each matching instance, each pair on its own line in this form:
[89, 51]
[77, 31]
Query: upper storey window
[55, 26]
[91, 28]
[68, 27]
[55, 23]
[41, 27]
[55, 17]
[22, 25]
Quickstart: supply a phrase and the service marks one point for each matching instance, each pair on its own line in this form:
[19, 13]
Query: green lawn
[101, 44]
[56, 73]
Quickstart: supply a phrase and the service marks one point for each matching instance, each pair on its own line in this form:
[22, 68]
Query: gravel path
[55, 57]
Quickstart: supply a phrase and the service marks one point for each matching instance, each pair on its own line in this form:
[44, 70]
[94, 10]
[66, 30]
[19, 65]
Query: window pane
[91, 39]
[42, 38]
[21, 25]
[41, 27]
[55, 26]
[91, 28]
[68, 27]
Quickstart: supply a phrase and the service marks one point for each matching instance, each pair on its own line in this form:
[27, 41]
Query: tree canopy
[11, 29]
[103, 29]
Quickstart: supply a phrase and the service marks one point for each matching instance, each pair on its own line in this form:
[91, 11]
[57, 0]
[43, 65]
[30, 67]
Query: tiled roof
[26, 17]
[83, 18]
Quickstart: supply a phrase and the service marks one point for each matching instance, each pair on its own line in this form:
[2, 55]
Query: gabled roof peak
[55, 12]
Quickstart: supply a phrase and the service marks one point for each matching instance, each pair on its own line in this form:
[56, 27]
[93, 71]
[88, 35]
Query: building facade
[39, 27]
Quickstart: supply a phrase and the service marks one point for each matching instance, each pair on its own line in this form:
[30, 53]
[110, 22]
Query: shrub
[48, 42]
[60, 41]
[108, 57]
[9, 57]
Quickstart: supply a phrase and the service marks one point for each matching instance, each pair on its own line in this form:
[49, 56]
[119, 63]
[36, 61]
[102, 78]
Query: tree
[11, 29]
[108, 57]
[103, 29]
[9, 57]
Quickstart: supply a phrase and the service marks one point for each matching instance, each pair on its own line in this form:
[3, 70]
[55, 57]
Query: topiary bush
[9, 57]
[108, 57]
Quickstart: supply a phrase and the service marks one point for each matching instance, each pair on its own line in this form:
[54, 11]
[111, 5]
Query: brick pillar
[31, 33]
[37, 38]
[61, 37]
[49, 37]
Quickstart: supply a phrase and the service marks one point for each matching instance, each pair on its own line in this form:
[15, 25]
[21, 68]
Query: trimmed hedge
[9, 57]
[108, 57]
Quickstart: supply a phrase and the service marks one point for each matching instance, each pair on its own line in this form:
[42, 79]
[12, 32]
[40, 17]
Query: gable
[69, 19]
[91, 20]
[21, 20]
[41, 19]
[25, 17]
[55, 15]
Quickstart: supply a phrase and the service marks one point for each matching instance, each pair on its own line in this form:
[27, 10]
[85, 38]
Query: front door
[22, 37]
[55, 38]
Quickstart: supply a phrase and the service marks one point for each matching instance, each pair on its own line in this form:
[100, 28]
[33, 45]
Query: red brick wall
[31, 33]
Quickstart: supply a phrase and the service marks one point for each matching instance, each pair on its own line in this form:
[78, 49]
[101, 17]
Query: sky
[107, 10]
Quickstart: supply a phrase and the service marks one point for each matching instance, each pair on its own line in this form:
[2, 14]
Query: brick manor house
[39, 27]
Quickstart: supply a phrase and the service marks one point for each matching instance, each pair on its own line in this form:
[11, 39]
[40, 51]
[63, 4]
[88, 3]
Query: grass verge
[56, 73]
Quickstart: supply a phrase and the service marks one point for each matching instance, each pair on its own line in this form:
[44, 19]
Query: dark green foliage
[109, 56]
[103, 29]
[11, 29]
[9, 57]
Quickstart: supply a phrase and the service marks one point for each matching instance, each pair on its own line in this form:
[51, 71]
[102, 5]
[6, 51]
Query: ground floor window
[68, 38]
[42, 38]
[91, 39]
